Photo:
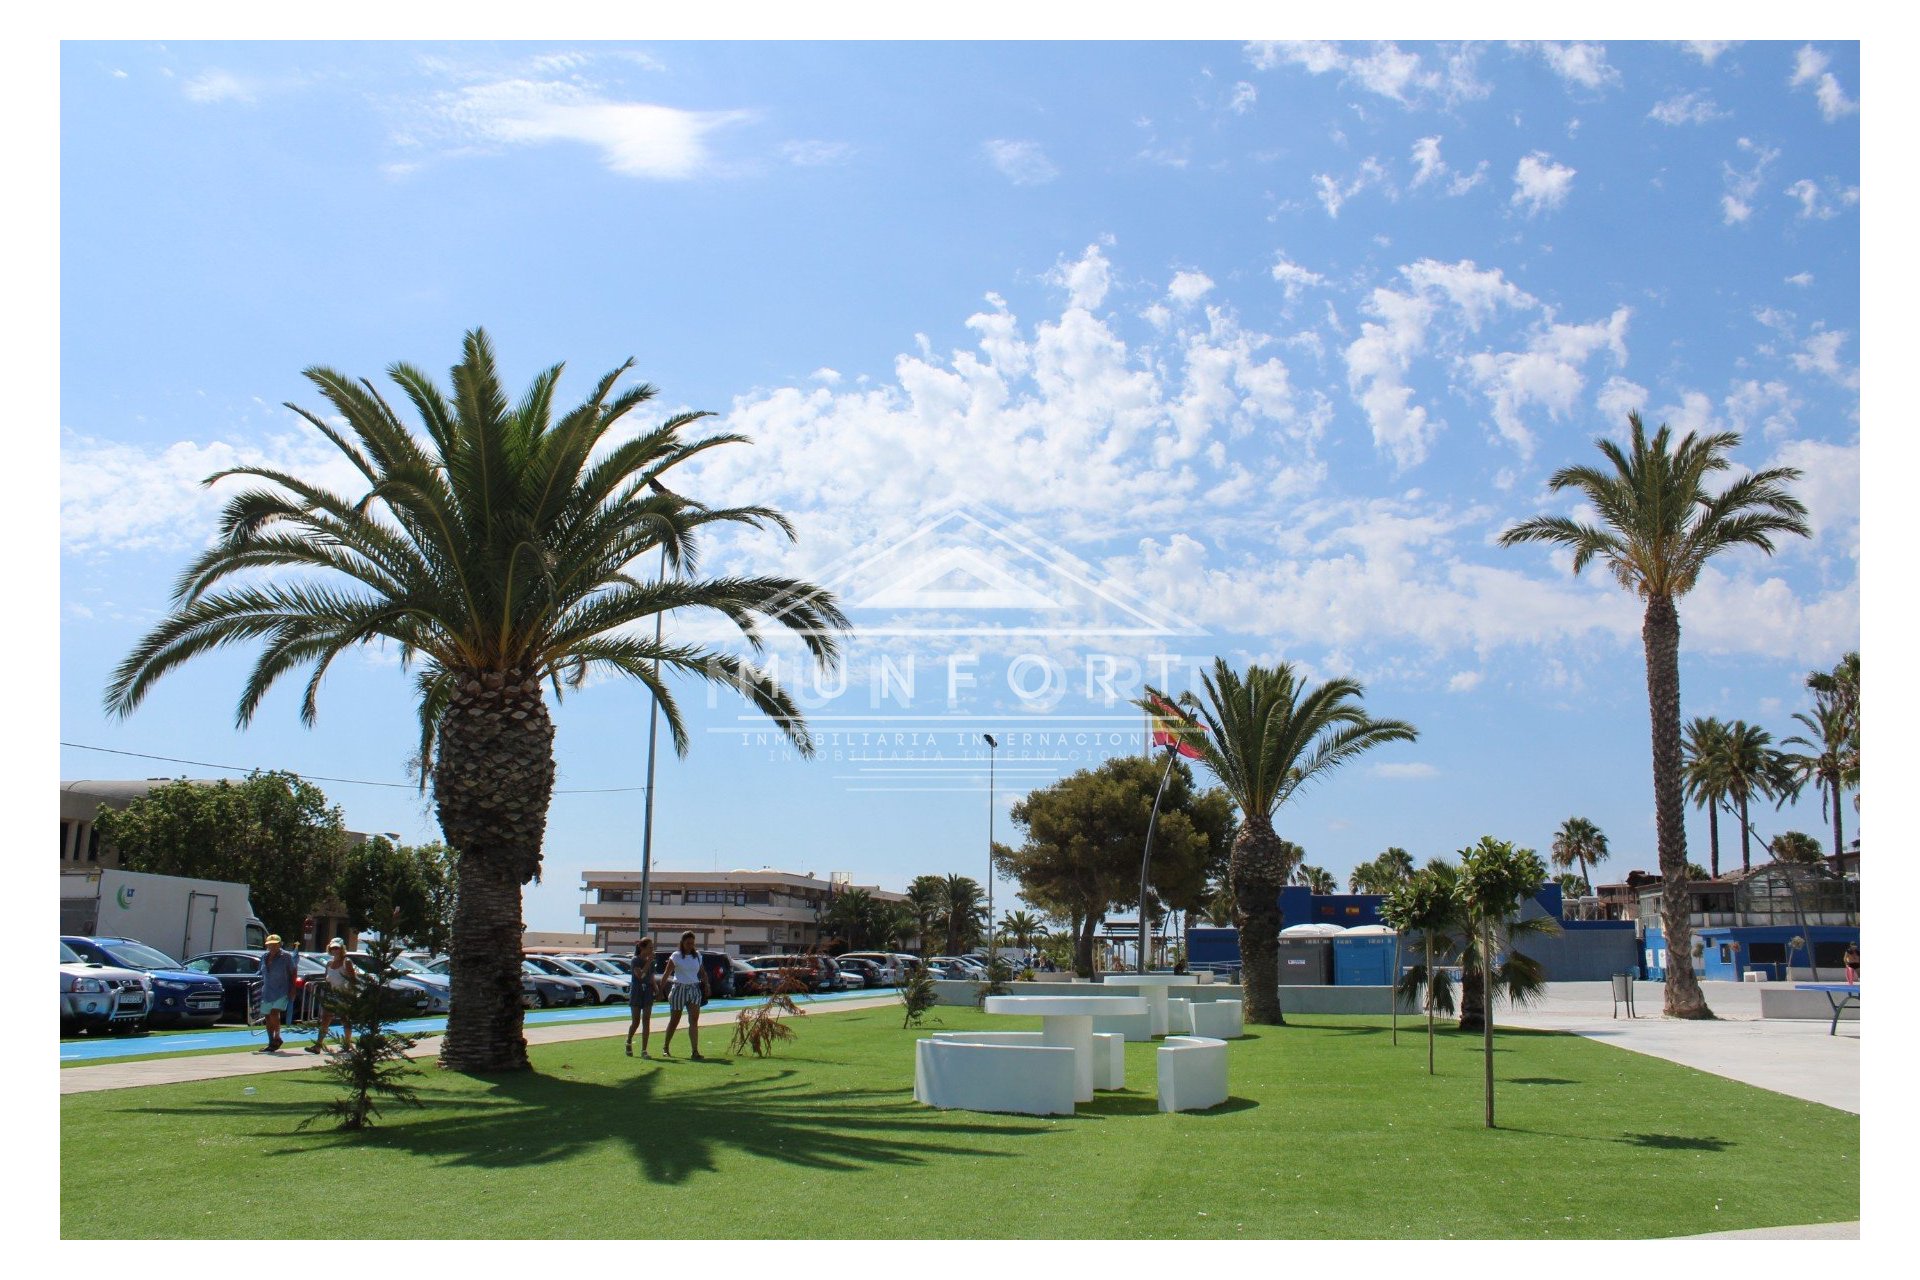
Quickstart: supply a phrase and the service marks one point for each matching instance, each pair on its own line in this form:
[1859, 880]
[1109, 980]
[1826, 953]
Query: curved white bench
[1193, 1072]
[1025, 1079]
[1220, 1019]
[1109, 1051]
[1180, 1017]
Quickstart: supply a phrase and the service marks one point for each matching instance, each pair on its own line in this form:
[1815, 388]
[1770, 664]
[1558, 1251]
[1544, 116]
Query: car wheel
[541, 996]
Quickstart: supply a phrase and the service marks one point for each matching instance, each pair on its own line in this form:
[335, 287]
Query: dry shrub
[765, 1025]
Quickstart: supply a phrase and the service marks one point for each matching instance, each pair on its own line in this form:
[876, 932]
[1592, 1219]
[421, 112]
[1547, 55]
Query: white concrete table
[1157, 988]
[1067, 1021]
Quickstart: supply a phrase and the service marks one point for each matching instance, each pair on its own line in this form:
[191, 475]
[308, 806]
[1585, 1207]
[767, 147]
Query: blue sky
[1253, 349]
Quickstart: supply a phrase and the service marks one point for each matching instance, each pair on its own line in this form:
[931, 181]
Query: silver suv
[95, 997]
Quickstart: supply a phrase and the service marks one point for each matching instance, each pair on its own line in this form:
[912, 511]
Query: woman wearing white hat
[340, 979]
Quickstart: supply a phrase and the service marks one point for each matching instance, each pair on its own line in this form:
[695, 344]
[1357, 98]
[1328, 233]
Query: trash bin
[1623, 994]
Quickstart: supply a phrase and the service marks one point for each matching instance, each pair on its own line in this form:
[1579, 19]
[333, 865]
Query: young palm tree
[1022, 928]
[1703, 773]
[1752, 770]
[1267, 735]
[1657, 528]
[1579, 841]
[495, 554]
[1824, 763]
[1424, 906]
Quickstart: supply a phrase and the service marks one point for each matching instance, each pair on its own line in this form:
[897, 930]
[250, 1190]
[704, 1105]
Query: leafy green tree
[1657, 527]
[383, 887]
[1579, 842]
[1083, 838]
[272, 832]
[1495, 880]
[1267, 734]
[1796, 846]
[1316, 879]
[1424, 906]
[496, 552]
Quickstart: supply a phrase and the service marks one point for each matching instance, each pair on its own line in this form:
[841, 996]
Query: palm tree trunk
[492, 782]
[1746, 839]
[1257, 869]
[1486, 997]
[1838, 848]
[1585, 879]
[1713, 841]
[1660, 633]
[1429, 942]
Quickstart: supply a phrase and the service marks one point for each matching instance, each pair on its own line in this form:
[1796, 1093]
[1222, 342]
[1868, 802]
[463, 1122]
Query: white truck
[173, 914]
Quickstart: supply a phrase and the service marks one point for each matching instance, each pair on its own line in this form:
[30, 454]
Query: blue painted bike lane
[97, 1050]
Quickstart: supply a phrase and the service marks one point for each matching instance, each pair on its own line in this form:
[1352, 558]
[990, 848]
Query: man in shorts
[277, 971]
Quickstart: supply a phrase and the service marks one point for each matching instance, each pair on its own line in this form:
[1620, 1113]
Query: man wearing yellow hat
[277, 971]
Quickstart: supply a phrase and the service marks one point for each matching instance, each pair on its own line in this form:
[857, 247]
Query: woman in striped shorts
[687, 974]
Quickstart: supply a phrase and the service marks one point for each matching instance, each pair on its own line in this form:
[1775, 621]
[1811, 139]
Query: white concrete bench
[1109, 1051]
[1220, 1019]
[1179, 1017]
[1132, 1026]
[1192, 1071]
[963, 1074]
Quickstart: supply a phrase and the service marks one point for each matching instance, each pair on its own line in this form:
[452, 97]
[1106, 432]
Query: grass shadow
[1538, 1080]
[539, 1118]
[1673, 1142]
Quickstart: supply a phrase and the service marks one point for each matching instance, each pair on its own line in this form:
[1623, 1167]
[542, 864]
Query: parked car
[868, 973]
[179, 997]
[746, 978]
[99, 997]
[420, 989]
[894, 966]
[602, 966]
[718, 966]
[819, 972]
[600, 988]
[554, 991]
[238, 973]
[961, 967]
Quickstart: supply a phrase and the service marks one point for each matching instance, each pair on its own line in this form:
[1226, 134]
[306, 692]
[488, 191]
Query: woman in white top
[687, 990]
[340, 976]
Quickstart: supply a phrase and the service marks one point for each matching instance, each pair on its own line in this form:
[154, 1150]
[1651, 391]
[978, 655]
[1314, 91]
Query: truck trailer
[174, 914]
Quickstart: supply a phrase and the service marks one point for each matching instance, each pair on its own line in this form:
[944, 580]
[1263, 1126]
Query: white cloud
[1429, 166]
[1546, 374]
[1021, 161]
[1767, 405]
[1293, 277]
[1687, 108]
[1736, 203]
[1086, 279]
[1814, 202]
[1708, 51]
[811, 152]
[1403, 769]
[1580, 64]
[1385, 69]
[828, 376]
[1244, 96]
[1377, 365]
[217, 86]
[1800, 278]
[1189, 287]
[1618, 397]
[634, 139]
[1464, 682]
[1539, 182]
[1810, 67]
[1476, 293]
[1820, 353]
[1334, 192]
[1829, 484]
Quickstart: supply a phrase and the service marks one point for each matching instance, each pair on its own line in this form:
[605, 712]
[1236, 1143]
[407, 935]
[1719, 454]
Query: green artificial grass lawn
[1331, 1132]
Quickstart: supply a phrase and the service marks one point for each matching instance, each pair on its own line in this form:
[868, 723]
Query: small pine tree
[374, 1070]
[917, 993]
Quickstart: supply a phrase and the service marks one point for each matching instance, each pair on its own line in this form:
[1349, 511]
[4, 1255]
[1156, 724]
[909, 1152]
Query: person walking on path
[1852, 960]
[340, 979]
[687, 975]
[276, 990]
[641, 996]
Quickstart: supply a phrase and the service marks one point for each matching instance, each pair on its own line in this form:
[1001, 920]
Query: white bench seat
[1192, 1072]
[989, 1071]
[1179, 1017]
[1219, 1019]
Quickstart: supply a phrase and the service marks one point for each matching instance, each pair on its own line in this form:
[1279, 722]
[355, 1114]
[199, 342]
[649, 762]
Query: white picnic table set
[1079, 1050]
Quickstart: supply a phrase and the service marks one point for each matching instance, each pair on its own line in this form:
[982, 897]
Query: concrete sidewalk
[1796, 1058]
[218, 1066]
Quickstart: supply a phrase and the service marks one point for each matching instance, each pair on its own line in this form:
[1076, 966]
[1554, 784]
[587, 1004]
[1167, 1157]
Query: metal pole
[992, 746]
[1173, 753]
[653, 742]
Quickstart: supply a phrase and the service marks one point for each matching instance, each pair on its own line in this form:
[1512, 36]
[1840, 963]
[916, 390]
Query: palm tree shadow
[532, 1119]
[1673, 1142]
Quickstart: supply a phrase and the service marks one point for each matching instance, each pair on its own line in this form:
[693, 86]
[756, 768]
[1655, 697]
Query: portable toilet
[1306, 955]
[1363, 957]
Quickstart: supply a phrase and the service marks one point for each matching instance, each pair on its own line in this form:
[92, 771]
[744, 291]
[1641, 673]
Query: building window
[93, 843]
[66, 834]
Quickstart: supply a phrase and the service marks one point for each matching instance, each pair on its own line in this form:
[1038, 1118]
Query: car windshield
[405, 965]
[439, 966]
[136, 955]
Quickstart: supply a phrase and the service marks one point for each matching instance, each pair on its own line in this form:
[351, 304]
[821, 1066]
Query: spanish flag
[1171, 727]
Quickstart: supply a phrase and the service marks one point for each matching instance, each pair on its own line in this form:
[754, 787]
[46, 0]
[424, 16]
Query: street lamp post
[653, 742]
[992, 746]
[1146, 936]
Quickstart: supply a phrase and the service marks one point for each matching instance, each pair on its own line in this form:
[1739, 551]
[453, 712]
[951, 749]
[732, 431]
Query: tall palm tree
[1703, 773]
[1267, 735]
[1657, 528]
[1316, 879]
[963, 903]
[1752, 770]
[495, 553]
[1840, 688]
[1579, 842]
[1022, 928]
[1824, 763]
[926, 899]
[851, 915]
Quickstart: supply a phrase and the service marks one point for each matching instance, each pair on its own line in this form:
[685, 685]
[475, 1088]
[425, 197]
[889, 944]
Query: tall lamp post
[1146, 935]
[653, 743]
[992, 746]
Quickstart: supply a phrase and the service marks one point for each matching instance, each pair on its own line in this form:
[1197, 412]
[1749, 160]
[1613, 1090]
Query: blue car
[180, 997]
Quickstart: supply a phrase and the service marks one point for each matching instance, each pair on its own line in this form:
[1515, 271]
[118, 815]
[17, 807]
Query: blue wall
[1721, 961]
